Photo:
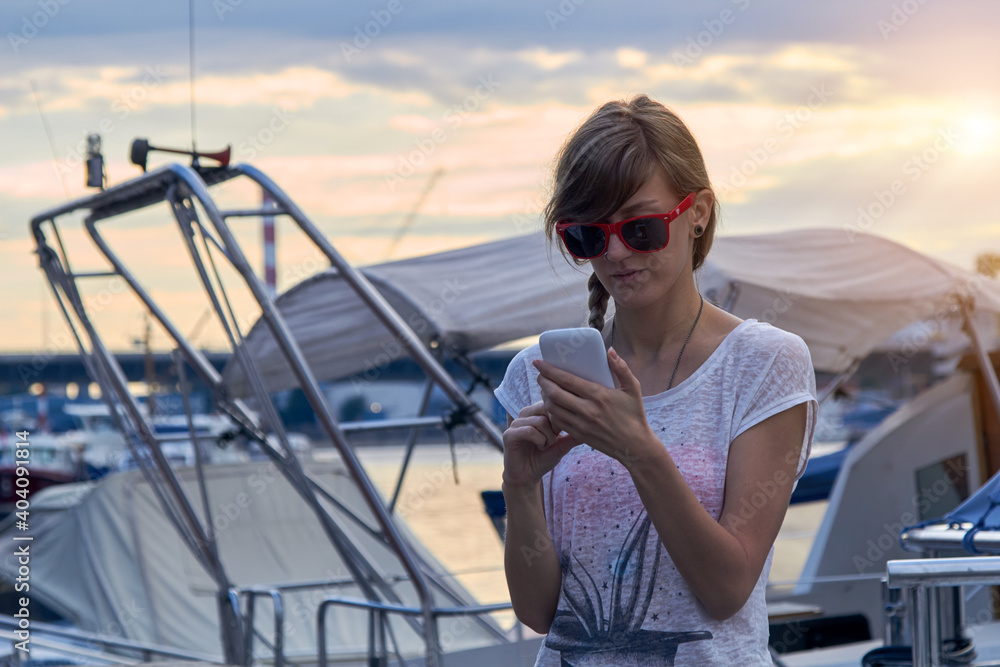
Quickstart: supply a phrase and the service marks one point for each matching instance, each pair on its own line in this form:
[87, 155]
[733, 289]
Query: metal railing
[146, 651]
[378, 654]
[950, 537]
[275, 592]
[919, 578]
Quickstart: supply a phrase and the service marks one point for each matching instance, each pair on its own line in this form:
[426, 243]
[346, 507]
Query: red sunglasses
[644, 233]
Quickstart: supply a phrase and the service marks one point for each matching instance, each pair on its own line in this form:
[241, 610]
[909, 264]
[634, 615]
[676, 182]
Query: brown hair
[609, 158]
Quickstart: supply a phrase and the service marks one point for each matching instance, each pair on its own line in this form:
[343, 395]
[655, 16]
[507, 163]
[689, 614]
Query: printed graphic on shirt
[603, 624]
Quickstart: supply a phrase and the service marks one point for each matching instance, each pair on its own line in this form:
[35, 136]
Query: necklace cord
[677, 364]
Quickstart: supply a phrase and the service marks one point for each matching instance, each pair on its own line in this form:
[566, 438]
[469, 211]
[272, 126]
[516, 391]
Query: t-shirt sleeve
[785, 380]
[514, 392]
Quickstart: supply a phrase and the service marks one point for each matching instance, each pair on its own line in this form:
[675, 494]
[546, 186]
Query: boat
[52, 460]
[844, 294]
[378, 593]
[104, 449]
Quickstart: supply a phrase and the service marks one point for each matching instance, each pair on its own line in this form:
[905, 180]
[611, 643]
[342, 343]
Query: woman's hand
[611, 421]
[531, 447]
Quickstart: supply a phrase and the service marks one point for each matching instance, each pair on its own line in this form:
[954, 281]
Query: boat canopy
[113, 563]
[843, 293]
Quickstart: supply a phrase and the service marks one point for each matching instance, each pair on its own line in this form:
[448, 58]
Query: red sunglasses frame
[615, 228]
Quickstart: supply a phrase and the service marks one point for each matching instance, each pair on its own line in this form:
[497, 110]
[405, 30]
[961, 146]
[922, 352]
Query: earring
[698, 230]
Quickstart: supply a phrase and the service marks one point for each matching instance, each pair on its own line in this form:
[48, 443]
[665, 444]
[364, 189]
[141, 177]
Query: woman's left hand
[611, 421]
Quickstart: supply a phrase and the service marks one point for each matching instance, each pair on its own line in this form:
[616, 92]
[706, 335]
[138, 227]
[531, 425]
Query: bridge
[18, 372]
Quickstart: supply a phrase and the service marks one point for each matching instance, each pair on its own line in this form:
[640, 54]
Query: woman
[641, 520]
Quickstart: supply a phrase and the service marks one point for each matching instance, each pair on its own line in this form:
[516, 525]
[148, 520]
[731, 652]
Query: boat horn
[141, 149]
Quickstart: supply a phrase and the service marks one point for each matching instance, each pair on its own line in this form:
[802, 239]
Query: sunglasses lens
[584, 241]
[646, 234]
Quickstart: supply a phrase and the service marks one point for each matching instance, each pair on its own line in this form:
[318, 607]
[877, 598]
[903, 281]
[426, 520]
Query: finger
[541, 424]
[623, 373]
[563, 419]
[516, 435]
[554, 394]
[571, 383]
[533, 409]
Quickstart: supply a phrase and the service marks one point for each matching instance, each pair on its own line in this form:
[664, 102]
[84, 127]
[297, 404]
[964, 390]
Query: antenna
[194, 146]
[48, 133]
[412, 215]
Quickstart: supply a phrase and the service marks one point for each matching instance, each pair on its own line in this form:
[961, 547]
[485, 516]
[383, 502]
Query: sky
[871, 116]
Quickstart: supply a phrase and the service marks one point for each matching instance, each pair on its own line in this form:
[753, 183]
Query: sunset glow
[803, 120]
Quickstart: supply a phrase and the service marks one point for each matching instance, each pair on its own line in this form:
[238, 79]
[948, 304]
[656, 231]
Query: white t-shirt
[622, 600]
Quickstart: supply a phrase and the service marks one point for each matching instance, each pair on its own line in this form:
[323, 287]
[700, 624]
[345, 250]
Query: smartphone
[579, 351]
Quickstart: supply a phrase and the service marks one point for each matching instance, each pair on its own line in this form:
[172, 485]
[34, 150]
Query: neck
[658, 328]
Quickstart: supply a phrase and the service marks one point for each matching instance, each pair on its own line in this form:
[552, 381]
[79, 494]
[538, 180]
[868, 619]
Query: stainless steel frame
[920, 577]
[378, 652]
[145, 650]
[183, 188]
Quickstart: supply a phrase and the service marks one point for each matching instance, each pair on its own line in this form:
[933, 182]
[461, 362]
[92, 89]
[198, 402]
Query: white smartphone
[578, 351]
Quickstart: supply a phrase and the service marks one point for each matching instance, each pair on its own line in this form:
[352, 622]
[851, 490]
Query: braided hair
[597, 302]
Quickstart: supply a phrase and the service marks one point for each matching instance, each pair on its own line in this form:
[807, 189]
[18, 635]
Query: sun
[978, 133]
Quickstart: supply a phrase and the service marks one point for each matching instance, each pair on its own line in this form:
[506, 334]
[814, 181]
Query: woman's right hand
[531, 447]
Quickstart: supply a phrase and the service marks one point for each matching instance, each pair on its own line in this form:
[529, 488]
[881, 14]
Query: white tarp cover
[475, 298]
[107, 558]
[843, 293]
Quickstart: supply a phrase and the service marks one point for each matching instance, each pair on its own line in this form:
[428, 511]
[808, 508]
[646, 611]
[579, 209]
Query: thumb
[622, 372]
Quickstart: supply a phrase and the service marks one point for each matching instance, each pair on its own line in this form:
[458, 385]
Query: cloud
[358, 123]
[124, 89]
[33, 180]
[548, 60]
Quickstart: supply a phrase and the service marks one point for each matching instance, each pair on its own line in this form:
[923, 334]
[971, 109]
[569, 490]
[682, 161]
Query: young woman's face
[637, 279]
